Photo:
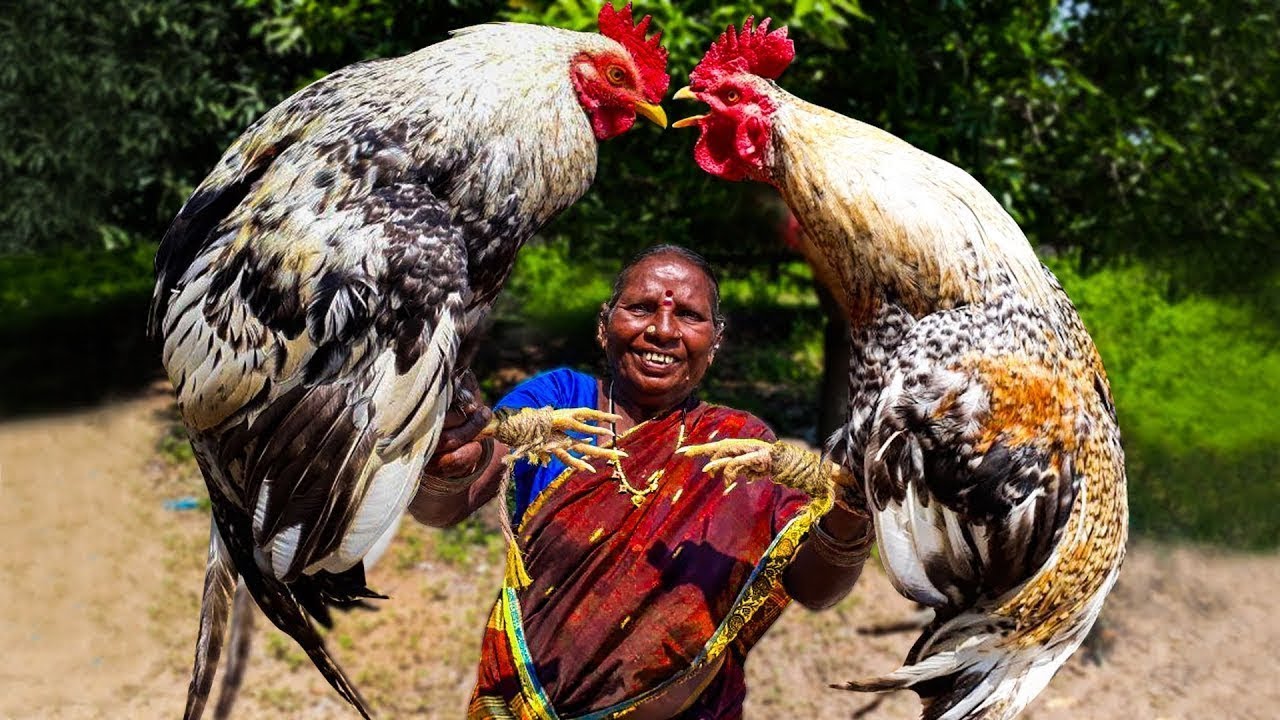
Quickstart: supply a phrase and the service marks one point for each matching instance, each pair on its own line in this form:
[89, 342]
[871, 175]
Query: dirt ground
[99, 604]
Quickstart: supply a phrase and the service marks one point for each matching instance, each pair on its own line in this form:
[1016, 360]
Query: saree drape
[636, 603]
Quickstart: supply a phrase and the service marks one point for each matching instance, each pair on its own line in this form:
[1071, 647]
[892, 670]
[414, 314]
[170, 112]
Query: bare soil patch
[98, 609]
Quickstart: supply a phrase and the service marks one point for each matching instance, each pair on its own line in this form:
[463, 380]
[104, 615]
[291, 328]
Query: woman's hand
[463, 473]
[459, 453]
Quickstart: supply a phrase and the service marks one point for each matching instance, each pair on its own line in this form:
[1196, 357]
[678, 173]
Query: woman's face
[660, 337]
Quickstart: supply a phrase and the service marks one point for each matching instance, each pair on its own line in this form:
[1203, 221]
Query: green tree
[1170, 154]
[111, 111]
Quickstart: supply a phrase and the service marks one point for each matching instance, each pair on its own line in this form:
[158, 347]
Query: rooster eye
[615, 75]
[732, 97]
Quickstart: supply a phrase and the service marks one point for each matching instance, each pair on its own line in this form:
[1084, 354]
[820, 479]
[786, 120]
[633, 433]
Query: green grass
[71, 283]
[72, 327]
[457, 545]
[1197, 388]
[174, 446]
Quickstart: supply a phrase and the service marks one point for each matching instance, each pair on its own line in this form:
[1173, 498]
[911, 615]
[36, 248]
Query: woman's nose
[664, 325]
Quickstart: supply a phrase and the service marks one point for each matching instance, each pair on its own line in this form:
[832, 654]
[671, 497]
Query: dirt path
[79, 559]
[101, 587]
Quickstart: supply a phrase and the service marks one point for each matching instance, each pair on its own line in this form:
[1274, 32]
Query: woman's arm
[830, 560]
[465, 473]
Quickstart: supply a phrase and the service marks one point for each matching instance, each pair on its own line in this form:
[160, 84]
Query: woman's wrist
[845, 525]
[842, 539]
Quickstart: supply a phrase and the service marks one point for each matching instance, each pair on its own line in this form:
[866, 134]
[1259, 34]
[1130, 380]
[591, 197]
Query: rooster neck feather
[881, 217]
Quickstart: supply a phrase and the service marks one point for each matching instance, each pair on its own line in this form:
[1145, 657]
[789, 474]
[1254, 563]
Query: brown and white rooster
[319, 292]
[981, 434]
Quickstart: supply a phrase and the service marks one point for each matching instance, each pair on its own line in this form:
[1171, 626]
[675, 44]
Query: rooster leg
[539, 434]
[215, 606]
[242, 610]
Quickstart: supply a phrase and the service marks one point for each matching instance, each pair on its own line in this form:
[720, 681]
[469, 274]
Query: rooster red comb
[754, 50]
[649, 56]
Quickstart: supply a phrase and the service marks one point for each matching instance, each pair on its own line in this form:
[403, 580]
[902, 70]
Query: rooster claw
[784, 463]
[735, 457]
[540, 434]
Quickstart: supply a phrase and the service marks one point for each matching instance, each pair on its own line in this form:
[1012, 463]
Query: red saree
[633, 605]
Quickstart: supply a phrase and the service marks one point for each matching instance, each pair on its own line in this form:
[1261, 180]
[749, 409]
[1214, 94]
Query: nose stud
[651, 329]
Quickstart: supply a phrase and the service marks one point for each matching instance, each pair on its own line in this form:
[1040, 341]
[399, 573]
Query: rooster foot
[735, 458]
[540, 434]
[781, 462]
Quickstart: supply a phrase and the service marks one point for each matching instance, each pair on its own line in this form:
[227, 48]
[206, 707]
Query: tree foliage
[109, 112]
[1124, 137]
[1168, 152]
[1121, 130]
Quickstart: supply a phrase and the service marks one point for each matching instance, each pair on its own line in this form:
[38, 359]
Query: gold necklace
[624, 485]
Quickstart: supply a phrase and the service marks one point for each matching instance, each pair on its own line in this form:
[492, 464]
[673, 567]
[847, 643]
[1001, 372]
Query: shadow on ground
[65, 360]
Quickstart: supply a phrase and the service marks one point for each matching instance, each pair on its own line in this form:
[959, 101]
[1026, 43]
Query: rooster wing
[969, 461]
[982, 459]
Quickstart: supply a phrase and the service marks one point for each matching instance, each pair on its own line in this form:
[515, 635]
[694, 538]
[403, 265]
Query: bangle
[442, 486]
[840, 553]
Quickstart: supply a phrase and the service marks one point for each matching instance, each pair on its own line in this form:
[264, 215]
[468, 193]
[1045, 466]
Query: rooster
[981, 434]
[320, 293]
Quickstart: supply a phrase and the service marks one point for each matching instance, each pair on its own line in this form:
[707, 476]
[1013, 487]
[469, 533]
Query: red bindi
[667, 300]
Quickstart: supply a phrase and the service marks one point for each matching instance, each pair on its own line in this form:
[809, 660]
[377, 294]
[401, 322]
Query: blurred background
[1136, 143]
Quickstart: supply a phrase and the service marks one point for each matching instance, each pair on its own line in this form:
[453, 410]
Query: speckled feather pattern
[980, 419]
[318, 292]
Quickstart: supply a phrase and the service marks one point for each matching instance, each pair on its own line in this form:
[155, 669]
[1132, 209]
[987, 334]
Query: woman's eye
[615, 75]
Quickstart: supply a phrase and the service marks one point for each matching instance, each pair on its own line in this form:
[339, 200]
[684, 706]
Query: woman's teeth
[658, 358]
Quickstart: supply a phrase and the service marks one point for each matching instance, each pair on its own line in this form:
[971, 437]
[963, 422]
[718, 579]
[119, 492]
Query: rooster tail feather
[278, 600]
[337, 678]
[215, 605]
[279, 603]
[983, 678]
[907, 676]
[996, 684]
[238, 658]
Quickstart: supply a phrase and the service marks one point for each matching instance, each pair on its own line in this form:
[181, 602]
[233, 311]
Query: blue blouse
[560, 388]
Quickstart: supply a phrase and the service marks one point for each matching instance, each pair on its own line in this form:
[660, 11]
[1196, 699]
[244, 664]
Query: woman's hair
[683, 253]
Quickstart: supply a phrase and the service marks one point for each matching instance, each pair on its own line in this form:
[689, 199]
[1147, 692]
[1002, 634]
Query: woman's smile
[657, 363]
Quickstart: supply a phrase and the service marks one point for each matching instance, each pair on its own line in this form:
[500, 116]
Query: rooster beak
[686, 93]
[655, 113]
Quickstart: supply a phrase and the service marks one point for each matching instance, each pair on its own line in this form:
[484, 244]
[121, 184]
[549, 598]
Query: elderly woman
[648, 580]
